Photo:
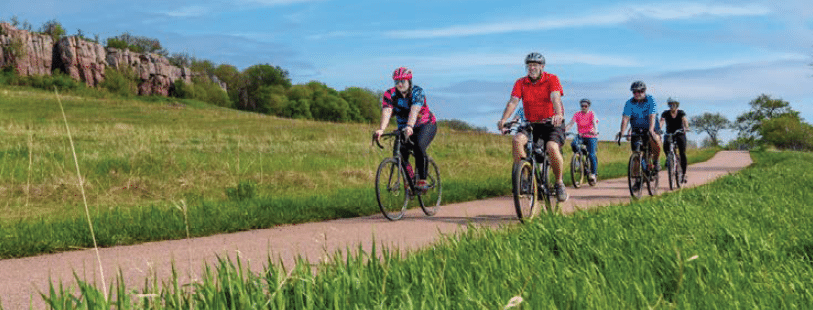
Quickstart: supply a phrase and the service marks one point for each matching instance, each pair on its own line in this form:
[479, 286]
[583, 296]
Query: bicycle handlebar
[394, 133]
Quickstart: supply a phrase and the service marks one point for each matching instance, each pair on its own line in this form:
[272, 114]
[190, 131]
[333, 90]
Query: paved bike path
[22, 279]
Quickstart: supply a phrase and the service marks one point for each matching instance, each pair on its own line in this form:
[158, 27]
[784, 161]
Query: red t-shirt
[536, 96]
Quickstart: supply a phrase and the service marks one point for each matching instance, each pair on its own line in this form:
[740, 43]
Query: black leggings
[681, 145]
[420, 138]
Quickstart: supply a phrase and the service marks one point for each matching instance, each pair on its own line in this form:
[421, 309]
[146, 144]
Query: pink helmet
[402, 73]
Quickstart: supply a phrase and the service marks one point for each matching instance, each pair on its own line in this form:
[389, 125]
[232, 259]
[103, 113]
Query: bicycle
[395, 187]
[531, 177]
[641, 169]
[580, 164]
[676, 172]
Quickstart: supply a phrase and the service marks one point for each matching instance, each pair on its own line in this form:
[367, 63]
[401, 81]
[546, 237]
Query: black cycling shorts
[547, 132]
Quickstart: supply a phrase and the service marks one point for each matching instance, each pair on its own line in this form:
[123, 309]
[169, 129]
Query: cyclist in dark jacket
[408, 103]
[676, 119]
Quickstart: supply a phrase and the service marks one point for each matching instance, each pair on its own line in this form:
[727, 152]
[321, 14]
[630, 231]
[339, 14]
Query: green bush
[120, 81]
[202, 89]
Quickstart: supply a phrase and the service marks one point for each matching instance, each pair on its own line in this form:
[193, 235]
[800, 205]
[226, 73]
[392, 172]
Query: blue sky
[713, 56]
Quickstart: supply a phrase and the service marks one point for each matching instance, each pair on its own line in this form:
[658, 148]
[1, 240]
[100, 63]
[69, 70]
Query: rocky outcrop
[155, 72]
[29, 53]
[82, 60]
[37, 54]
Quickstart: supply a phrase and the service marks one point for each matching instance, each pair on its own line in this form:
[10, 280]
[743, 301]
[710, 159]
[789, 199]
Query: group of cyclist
[541, 95]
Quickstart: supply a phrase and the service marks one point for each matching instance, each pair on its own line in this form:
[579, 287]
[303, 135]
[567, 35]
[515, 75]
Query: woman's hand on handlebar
[377, 136]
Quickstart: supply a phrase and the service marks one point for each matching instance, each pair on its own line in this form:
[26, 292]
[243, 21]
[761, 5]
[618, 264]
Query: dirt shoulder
[21, 280]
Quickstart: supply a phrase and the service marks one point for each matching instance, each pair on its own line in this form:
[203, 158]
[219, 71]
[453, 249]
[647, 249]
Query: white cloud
[608, 17]
[190, 11]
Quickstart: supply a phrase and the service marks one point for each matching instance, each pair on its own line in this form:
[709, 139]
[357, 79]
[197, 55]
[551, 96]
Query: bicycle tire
[634, 176]
[588, 170]
[670, 167]
[577, 170]
[678, 172]
[524, 189]
[653, 178]
[430, 200]
[391, 189]
[548, 192]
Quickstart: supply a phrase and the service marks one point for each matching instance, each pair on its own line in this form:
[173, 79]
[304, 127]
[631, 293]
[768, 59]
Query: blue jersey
[639, 112]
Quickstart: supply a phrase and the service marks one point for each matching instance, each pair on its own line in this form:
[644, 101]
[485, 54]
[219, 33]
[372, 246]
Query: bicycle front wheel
[391, 189]
[674, 183]
[678, 171]
[430, 200]
[524, 188]
[635, 176]
[653, 177]
[577, 170]
[546, 188]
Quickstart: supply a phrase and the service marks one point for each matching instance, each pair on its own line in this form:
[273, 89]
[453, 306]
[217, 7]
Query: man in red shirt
[541, 95]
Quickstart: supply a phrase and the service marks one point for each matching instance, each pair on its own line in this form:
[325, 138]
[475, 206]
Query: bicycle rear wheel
[577, 169]
[524, 188]
[430, 200]
[391, 189]
[635, 176]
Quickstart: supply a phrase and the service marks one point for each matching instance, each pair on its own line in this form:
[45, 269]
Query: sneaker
[561, 194]
[591, 178]
[683, 179]
[422, 186]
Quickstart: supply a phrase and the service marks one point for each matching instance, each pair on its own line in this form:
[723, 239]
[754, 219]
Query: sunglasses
[401, 81]
[585, 106]
[638, 91]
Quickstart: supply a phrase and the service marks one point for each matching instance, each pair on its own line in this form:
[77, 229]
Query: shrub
[120, 81]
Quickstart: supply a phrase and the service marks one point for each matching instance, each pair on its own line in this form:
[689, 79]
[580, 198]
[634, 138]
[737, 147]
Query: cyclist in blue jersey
[640, 112]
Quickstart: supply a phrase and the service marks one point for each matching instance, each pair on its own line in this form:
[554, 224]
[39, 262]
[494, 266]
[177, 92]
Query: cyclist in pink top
[588, 134]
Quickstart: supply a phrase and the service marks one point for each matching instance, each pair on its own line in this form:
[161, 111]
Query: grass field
[744, 241]
[149, 162]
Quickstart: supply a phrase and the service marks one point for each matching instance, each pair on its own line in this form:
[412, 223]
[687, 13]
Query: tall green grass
[234, 170]
[743, 242]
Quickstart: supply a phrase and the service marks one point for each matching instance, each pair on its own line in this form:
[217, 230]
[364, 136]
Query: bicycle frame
[537, 156]
[398, 138]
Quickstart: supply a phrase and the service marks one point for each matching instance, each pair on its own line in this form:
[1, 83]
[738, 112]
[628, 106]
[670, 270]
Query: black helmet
[671, 101]
[585, 100]
[638, 85]
[535, 57]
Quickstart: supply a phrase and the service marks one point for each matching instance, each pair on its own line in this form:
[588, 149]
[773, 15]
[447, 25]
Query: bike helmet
[638, 85]
[535, 57]
[585, 100]
[671, 101]
[402, 73]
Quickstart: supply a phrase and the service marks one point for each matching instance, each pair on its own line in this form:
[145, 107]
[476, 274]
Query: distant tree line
[770, 121]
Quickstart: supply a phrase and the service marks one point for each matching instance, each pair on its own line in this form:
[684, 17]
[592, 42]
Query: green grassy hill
[148, 162]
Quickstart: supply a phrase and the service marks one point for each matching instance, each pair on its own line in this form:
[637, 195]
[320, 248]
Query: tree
[710, 124]
[787, 132]
[763, 108]
[247, 94]
[53, 28]
[365, 105]
[136, 44]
